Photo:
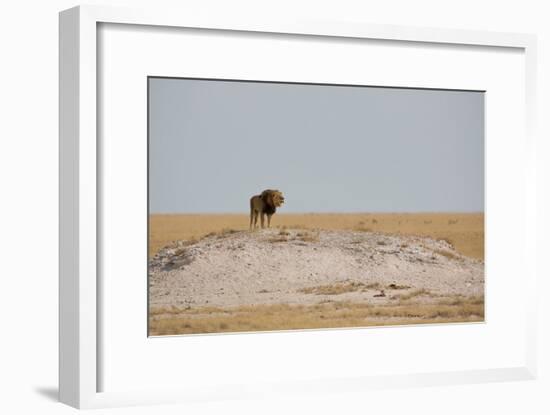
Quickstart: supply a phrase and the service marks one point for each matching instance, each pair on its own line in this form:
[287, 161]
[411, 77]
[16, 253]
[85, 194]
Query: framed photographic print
[241, 201]
[381, 221]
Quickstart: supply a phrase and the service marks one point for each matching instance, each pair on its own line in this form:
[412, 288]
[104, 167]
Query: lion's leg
[268, 221]
[255, 219]
[262, 217]
[251, 218]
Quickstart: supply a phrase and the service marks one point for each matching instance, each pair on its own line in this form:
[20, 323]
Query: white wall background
[28, 208]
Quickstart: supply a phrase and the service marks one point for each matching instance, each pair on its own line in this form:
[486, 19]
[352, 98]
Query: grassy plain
[465, 231]
[462, 230]
[331, 314]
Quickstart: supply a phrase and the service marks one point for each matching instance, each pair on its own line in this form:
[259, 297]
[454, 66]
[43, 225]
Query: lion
[263, 204]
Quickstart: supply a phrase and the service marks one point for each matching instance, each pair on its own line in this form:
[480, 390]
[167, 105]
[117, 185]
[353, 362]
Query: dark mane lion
[264, 204]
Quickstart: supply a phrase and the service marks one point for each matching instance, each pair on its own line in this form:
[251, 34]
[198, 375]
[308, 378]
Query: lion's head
[273, 198]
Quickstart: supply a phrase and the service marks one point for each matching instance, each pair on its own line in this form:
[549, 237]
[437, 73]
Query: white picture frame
[79, 294]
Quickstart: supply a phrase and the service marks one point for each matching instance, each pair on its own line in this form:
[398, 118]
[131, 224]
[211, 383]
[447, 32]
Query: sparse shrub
[398, 287]
[307, 236]
[447, 240]
[373, 286]
[276, 239]
[413, 294]
[446, 254]
[334, 289]
[229, 231]
[179, 251]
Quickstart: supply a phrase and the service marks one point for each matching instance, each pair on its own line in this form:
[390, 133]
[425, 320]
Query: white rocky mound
[308, 267]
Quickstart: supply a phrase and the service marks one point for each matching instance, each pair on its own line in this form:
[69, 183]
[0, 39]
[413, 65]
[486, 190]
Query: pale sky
[214, 144]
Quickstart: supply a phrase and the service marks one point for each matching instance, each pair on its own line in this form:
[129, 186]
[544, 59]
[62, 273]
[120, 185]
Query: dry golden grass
[465, 231]
[335, 289]
[308, 236]
[413, 294]
[285, 236]
[447, 254]
[398, 287]
[352, 286]
[278, 238]
[323, 315]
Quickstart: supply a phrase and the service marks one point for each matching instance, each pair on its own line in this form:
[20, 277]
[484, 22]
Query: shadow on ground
[51, 393]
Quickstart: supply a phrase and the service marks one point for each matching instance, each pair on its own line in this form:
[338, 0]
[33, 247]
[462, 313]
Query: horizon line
[465, 212]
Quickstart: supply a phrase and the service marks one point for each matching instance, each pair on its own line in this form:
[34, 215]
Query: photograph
[292, 206]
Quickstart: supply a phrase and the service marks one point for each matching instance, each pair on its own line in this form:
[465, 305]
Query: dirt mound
[295, 266]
